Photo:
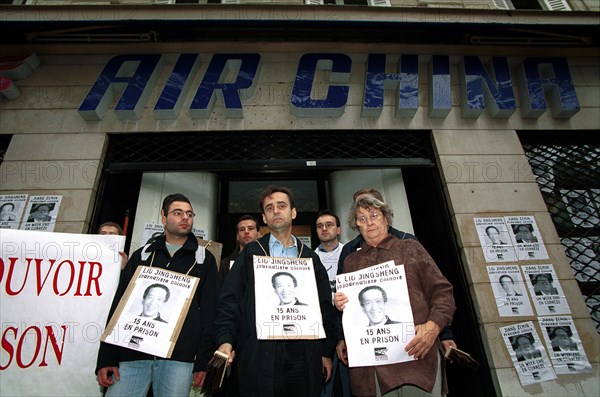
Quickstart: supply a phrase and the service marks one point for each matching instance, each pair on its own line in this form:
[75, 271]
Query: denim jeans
[341, 369]
[168, 379]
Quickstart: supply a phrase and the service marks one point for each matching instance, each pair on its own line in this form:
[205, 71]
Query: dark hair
[372, 191]
[36, 207]
[269, 190]
[528, 226]
[515, 341]
[370, 287]
[111, 224]
[491, 227]
[328, 212]
[246, 218]
[171, 198]
[552, 333]
[5, 204]
[506, 276]
[284, 274]
[157, 285]
[535, 278]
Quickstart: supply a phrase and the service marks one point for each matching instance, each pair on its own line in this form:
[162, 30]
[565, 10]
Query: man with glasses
[128, 372]
[286, 367]
[329, 250]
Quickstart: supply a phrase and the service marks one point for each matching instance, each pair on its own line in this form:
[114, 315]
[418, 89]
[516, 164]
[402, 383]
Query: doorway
[245, 162]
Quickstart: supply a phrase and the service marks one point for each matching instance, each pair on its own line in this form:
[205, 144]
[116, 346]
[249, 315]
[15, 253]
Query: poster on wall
[41, 213]
[510, 291]
[527, 353]
[378, 321]
[495, 240]
[11, 210]
[287, 300]
[56, 291]
[564, 345]
[151, 312]
[544, 287]
[526, 237]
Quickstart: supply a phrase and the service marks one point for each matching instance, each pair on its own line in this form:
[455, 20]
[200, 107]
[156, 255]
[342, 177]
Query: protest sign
[56, 290]
[510, 291]
[378, 321]
[527, 353]
[11, 210]
[287, 300]
[495, 240]
[544, 287]
[41, 213]
[152, 310]
[564, 345]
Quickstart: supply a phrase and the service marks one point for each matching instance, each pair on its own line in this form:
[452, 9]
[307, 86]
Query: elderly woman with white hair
[431, 299]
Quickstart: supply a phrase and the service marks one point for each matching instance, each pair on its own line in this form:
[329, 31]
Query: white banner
[55, 292]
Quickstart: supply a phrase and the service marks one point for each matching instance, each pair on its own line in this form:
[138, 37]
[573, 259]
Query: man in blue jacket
[129, 372]
[273, 368]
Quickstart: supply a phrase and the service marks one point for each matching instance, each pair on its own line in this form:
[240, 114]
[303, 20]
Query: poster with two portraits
[510, 238]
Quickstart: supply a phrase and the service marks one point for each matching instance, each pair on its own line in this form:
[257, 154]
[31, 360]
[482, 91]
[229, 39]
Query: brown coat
[431, 299]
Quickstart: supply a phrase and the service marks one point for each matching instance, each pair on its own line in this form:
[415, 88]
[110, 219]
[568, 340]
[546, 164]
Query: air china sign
[233, 78]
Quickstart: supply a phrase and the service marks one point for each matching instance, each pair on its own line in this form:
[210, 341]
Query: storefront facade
[450, 132]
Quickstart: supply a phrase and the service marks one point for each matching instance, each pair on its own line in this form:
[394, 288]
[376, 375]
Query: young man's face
[373, 306]
[247, 232]
[285, 290]
[110, 230]
[153, 300]
[277, 212]
[327, 229]
[178, 221]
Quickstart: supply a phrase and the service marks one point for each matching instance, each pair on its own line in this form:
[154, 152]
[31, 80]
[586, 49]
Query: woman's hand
[340, 299]
[425, 337]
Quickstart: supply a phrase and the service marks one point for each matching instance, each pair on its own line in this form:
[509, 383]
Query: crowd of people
[223, 313]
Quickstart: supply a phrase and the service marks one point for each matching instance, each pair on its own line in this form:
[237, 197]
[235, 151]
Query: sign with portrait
[526, 237]
[564, 345]
[495, 239]
[286, 299]
[152, 310]
[548, 296]
[377, 320]
[527, 353]
[510, 291]
[41, 213]
[11, 210]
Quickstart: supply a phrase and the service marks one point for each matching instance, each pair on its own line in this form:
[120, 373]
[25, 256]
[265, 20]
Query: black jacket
[236, 324]
[195, 343]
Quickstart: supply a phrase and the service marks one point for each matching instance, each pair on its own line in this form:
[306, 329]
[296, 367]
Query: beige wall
[464, 155]
[49, 135]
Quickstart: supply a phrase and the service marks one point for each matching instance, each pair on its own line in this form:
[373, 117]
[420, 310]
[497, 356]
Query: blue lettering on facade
[136, 75]
[232, 78]
[170, 101]
[303, 105]
[406, 82]
[551, 76]
[498, 95]
[439, 88]
[243, 66]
